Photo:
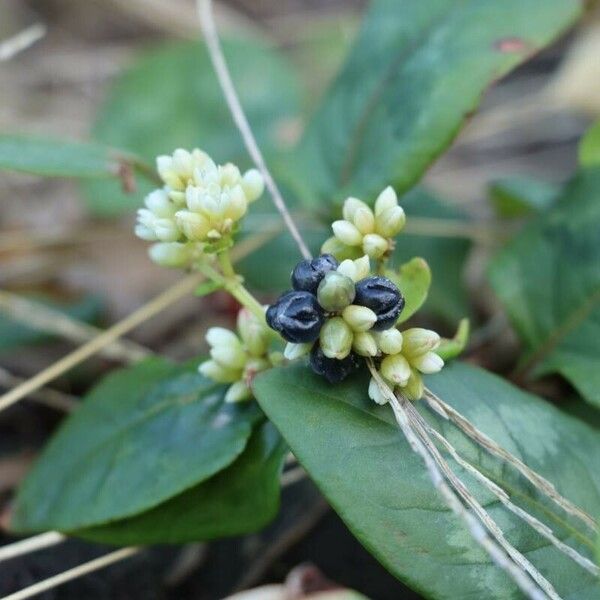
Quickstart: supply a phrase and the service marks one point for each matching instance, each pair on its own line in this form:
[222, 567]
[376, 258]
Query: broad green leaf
[240, 499]
[142, 436]
[356, 454]
[548, 279]
[170, 98]
[521, 196]
[450, 348]
[60, 158]
[14, 334]
[416, 71]
[589, 147]
[413, 279]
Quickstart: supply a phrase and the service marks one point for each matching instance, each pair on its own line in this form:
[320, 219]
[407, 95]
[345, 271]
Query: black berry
[297, 316]
[383, 297]
[332, 369]
[307, 274]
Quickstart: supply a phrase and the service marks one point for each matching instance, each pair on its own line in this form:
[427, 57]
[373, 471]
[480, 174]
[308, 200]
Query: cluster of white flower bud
[200, 203]
[406, 355]
[364, 231]
[237, 358]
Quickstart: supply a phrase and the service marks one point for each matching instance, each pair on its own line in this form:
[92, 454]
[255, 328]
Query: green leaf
[548, 279]
[142, 436]
[415, 73]
[356, 454]
[59, 158]
[453, 347]
[413, 279]
[589, 147]
[170, 98]
[521, 196]
[240, 499]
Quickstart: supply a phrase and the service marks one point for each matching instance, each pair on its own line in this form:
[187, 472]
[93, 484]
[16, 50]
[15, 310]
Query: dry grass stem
[31, 544]
[21, 41]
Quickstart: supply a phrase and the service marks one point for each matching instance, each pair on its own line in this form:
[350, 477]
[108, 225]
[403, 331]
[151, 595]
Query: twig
[70, 574]
[542, 484]
[503, 496]
[292, 476]
[37, 316]
[475, 528]
[21, 41]
[31, 544]
[237, 112]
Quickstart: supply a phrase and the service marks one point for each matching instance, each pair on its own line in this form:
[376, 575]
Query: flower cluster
[364, 231]
[200, 204]
[336, 312]
[236, 358]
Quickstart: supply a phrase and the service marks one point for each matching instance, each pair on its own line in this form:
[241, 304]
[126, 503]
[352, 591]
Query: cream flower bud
[253, 184]
[414, 388]
[237, 205]
[294, 351]
[389, 340]
[192, 198]
[340, 250]
[170, 254]
[347, 233]
[374, 245]
[183, 163]
[336, 291]
[375, 392]
[219, 336]
[213, 370]
[165, 168]
[355, 269]
[351, 205]
[364, 220]
[364, 344]
[427, 363]
[145, 233]
[390, 222]
[230, 357]
[194, 225]
[387, 199]
[336, 338]
[418, 341]
[158, 203]
[395, 368]
[254, 334]
[166, 230]
[360, 318]
[238, 392]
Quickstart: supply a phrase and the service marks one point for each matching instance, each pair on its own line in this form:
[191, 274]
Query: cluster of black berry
[321, 293]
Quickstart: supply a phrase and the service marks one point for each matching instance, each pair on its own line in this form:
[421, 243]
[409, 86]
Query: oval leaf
[413, 279]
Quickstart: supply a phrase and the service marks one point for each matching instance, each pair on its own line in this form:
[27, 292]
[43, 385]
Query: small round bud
[236, 204]
[254, 333]
[253, 184]
[171, 254]
[375, 392]
[215, 371]
[333, 370]
[297, 316]
[347, 233]
[219, 336]
[387, 199]
[351, 205]
[360, 318]
[158, 203]
[294, 351]
[145, 233]
[335, 292]
[194, 225]
[364, 220]
[364, 344]
[427, 363]
[414, 388]
[238, 392]
[396, 369]
[307, 274]
[389, 340]
[336, 338]
[419, 341]
[166, 230]
[383, 297]
[390, 222]
[229, 357]
[374, 245]
[355, 269]
[341, 251]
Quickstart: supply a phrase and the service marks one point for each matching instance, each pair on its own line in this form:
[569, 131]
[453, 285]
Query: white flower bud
[364, 220]
[374, 245]
[347, 233]
[170, 254]
[192, 198]
[229, 175]
[164, 166]
[390, 222]
[336, 338]
[194, 225]
[236, 205]
[360, 318]
[145, 233]
[166, 230]
[375, 392]
[395, 368]
[294, 351]
[213, 370]
[254, 333]
[387, 199]
[418, 341]
[389, 340]
[183, 163]
[427, 363]
[230, 357]
[414, 388]
[158, 203]
[363, 267]
[177, 197]
[351, 205]
[238, 392]
[364, 344]
[219, 336]
[253, 184]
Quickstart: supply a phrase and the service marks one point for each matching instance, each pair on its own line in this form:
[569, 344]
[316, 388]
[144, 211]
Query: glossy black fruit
[332, 369]
[307, 274]
[383, 297]
[297, 316]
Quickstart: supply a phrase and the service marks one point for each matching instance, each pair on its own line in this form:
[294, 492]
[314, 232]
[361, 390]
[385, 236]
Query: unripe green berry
[335, 292]
[336, 338]
[396, 369]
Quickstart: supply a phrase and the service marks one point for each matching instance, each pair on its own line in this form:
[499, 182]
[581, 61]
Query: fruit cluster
[336, 312]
